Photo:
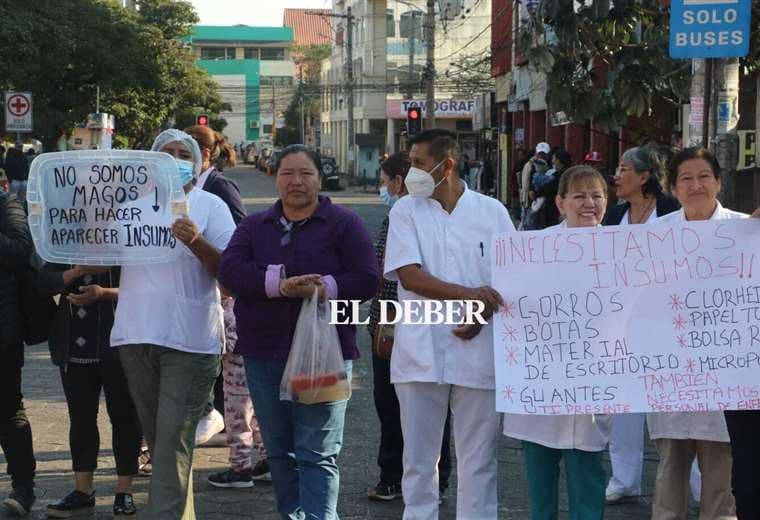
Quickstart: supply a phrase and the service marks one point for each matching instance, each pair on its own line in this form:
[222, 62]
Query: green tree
[185, 89]
[63, 51]
[602, 63]
[60, 51]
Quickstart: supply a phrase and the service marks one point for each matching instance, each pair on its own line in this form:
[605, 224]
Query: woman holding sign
[639, 181]
[694, 178]
[169, 322]
[578, 439]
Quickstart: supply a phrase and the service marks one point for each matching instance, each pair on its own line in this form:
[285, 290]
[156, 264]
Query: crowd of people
[170, 344]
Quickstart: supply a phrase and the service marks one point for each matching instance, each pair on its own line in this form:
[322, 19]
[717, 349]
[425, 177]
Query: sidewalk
[47, 412]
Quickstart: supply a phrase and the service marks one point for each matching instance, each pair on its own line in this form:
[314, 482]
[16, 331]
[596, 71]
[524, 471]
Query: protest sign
[662, 317]
[105, 207]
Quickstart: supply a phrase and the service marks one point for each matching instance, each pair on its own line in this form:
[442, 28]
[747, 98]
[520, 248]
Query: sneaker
[74, 504]
[261, 472]
[385, 491]
[231, 479]
[209, 425]
[20, 500]
[124, 506]
[614, 498]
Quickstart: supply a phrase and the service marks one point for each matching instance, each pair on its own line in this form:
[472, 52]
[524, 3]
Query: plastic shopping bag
[315, 371]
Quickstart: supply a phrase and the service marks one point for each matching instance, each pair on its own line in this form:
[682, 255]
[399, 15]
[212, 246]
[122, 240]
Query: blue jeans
[302, 443]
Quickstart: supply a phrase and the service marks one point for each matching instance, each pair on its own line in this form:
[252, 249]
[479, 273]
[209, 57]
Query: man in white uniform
[438, 248]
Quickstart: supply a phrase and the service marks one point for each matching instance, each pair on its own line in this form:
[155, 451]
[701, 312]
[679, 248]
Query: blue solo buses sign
[709, 28]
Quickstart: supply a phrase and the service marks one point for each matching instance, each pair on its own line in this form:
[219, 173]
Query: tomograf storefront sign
[651, 318]
[709, 28]
[105, 207]
[444, 108]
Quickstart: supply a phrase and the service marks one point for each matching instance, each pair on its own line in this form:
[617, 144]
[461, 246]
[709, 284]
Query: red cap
[593, 157]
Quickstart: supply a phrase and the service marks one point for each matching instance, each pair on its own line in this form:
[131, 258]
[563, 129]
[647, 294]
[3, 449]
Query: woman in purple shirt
[275, 259]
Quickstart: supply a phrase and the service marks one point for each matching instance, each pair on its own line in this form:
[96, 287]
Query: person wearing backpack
[16, 248]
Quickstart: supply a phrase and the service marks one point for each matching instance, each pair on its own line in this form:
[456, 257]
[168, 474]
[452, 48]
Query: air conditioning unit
[254, 125]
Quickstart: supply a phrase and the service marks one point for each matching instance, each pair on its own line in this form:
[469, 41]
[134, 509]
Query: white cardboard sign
[105, 207]
[651, 318]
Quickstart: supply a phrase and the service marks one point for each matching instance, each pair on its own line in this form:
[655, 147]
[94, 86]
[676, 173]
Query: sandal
[144, 467]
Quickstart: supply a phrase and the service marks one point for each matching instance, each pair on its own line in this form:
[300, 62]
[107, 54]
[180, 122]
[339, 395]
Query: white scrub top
[177, 304]
[455, 248]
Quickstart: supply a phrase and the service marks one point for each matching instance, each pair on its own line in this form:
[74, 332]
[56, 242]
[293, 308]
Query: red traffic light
[201, 120]
[413, 120]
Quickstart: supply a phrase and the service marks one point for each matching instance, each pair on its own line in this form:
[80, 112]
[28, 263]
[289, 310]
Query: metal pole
[274, 115]
[350, 88]
[301, 101]
[97, 99]
[430, 44]
[707, 115]
[411, 57]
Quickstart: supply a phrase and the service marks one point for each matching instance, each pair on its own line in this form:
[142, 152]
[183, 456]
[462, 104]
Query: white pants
[476, 428]
[627, 453]
[627, 457]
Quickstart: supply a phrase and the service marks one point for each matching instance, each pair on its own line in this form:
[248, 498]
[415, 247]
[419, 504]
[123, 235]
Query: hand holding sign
[467, 332]
[88, 294]
[186, 230]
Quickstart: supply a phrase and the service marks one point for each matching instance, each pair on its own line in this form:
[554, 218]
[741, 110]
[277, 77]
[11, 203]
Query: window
[267, 129]
[272, 54]
[268, 81]
[217, 53]
[390, 24]
[252, 53]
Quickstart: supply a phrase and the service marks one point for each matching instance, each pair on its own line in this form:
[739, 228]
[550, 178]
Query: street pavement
[47, 412]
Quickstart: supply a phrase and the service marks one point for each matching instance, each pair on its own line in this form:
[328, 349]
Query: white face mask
[419, 183]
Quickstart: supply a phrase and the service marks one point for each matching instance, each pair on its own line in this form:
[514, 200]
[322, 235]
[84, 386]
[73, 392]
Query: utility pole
[350, 88]
[274, 115]
[715, 84]
[725, 139]
[430, 67]
[349, 81]
[413, 34]
[301, 102]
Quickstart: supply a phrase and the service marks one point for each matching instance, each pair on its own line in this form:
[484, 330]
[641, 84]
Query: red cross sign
[18, 112]
[18, 105]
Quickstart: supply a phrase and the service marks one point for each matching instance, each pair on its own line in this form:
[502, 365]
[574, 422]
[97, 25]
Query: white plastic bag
[315, 371]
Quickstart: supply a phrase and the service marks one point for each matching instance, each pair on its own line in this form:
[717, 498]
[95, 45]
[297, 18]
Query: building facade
[389, 57]
[255, 73]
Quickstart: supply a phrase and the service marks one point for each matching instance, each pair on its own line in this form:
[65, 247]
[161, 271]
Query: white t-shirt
[706, 426]
[455, 248]
[177, 304]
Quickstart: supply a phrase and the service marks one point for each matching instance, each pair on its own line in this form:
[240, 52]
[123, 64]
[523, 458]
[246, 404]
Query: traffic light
[201, 120]
[413, 120]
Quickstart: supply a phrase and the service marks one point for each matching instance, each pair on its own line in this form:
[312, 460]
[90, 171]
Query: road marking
[345, 201]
